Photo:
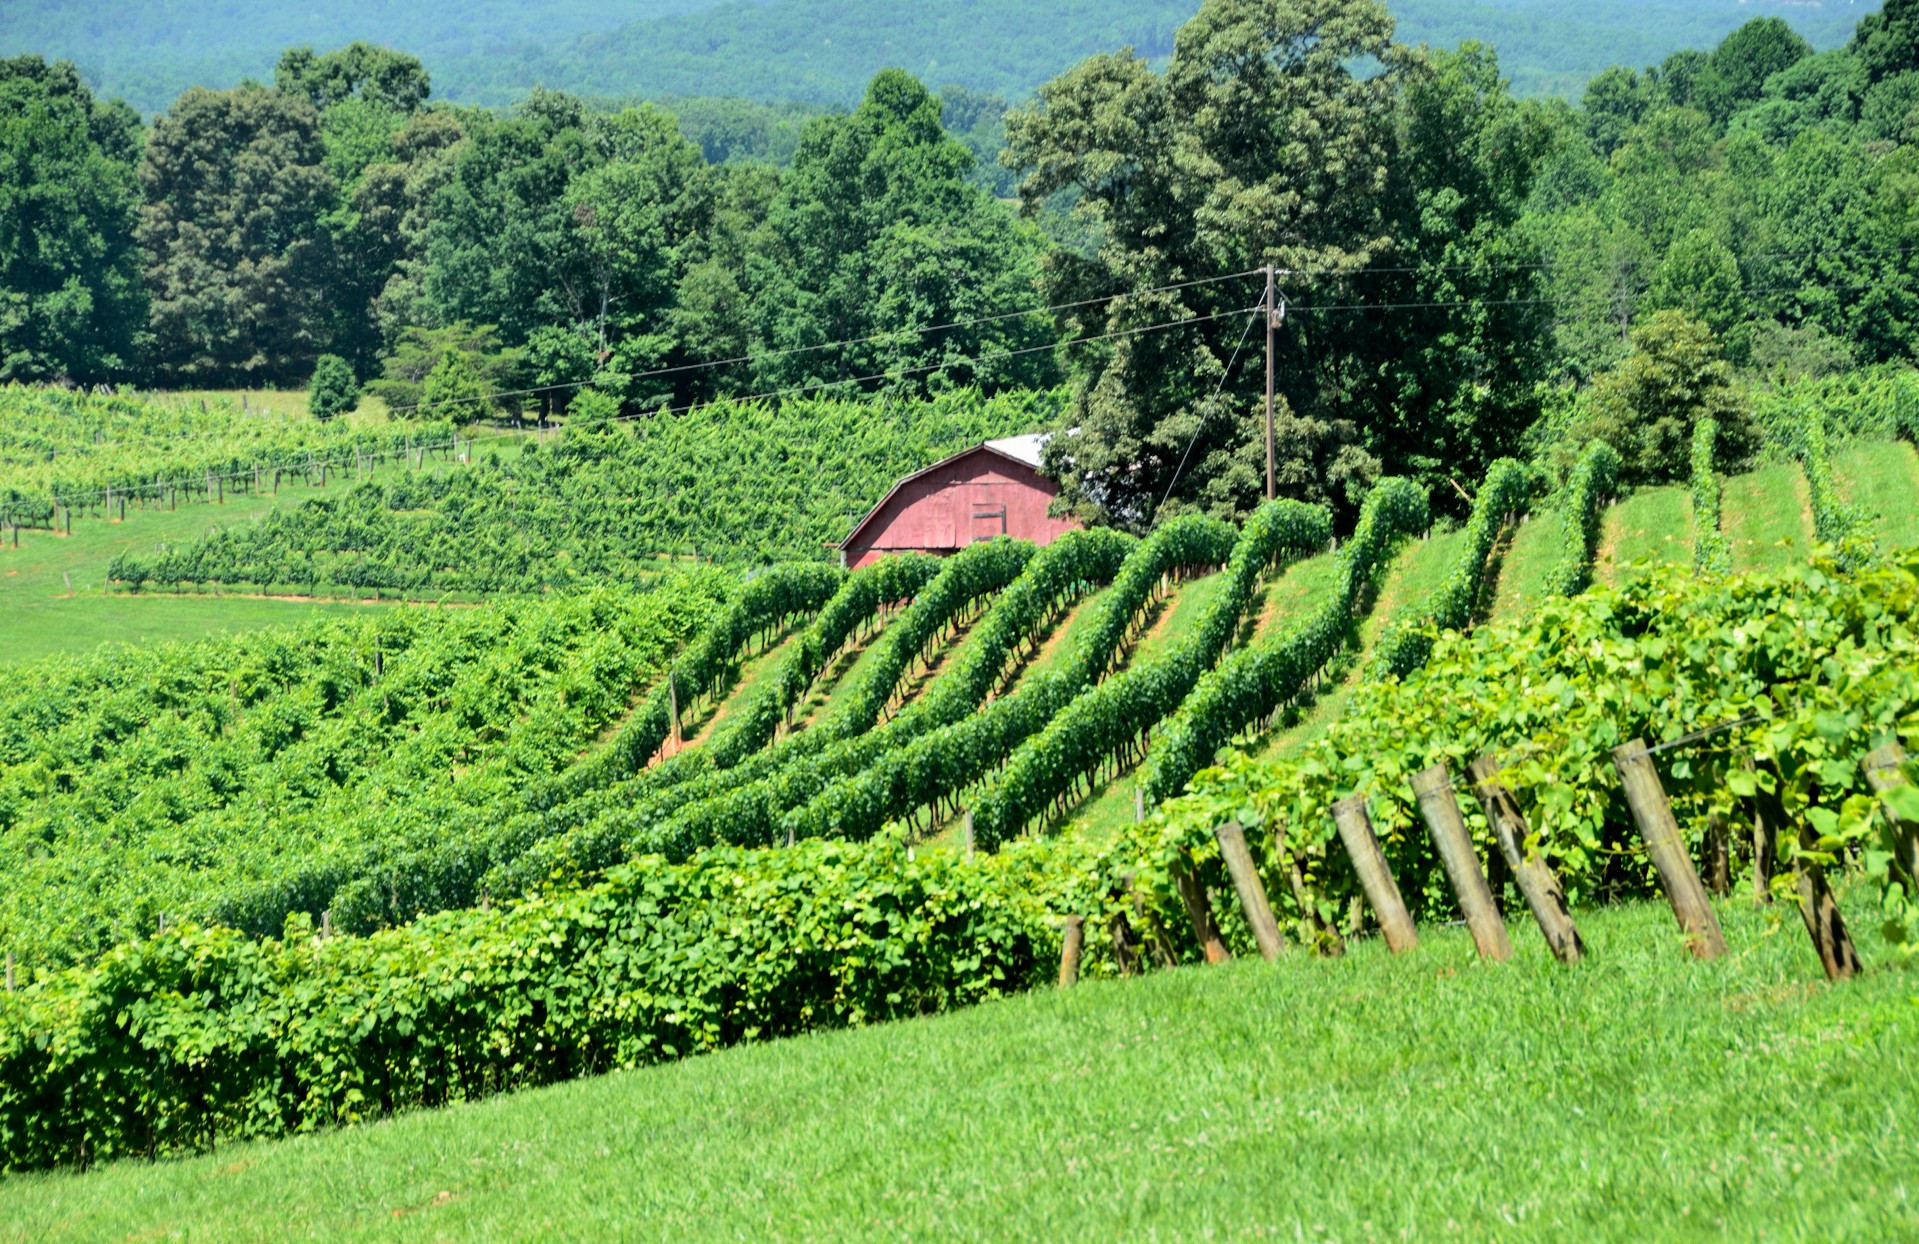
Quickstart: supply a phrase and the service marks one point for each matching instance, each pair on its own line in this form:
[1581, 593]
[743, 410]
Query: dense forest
[1466, 274]
[820, 51]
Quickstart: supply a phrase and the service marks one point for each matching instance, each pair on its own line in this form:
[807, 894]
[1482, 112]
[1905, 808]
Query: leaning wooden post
[1252, 894]
[1200, 912]
[1433, 788]
[1069, 951]
[1885, 773]
[1362, 847]
[1647, 798]
[1543, 893]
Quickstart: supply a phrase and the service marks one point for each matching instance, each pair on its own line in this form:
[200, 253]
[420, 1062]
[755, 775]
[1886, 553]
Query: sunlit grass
[1428, 1096]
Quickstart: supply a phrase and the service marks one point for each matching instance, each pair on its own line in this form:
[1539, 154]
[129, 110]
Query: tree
[71, 300]
[1616, 100]
[1700, 277]
[392, 80]
[420, 352]
[1887, 42]
[1294, 133]
[878, 232]
[453, 390]
[236, 189]
[333, 390]
[1646, 407]
[1736, 72]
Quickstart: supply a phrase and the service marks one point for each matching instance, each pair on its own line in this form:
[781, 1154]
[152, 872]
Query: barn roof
[1024, 450]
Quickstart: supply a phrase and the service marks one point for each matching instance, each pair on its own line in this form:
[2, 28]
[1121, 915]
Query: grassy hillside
[1431, 1096]
[54, 595]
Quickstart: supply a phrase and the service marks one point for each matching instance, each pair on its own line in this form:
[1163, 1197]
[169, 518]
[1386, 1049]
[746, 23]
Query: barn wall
[959, 504]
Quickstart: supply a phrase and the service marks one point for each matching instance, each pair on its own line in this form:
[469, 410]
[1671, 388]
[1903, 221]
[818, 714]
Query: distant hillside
[821, 51]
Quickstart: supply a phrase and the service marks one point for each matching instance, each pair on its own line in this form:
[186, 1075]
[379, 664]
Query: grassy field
[40, 615]
[1416, 572]
[1884, 478]
[1767, 518]
[1653, 527]
[1529, 559]
[1427, 1096]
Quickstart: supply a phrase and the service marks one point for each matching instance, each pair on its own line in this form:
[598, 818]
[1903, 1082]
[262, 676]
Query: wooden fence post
[1362, 847]
[1252, 894]
[1200, 912]
[1884, 773]
[1070, 947]
[1433, 788]
[1653, 814]
[1541, 888]
[967, 833]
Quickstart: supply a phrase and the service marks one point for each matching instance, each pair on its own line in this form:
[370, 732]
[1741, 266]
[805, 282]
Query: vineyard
[70, 453]
[741, 483]
[359, 944]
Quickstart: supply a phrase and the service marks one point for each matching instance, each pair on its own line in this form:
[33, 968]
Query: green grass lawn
[1884, 478]
[1529, 559]
[1766, 517]
[38, 616]
[1293, 596]
[1653, 527]
[1417, 570]
[1639, 1096]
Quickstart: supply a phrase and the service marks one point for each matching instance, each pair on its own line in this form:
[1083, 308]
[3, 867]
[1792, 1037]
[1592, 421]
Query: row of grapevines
[246, 776]
[1106, 724]
[1253, 684]
[1582, 507]
[1711, 553]
[941, 763]
[196, 1036]
[750, 814]
[768, 603]
[1846, 527]
[745, 812]
[82, 450]
[1503, 496]
[600, 833]
[578, 820]
[1803, 671]
[740, 482]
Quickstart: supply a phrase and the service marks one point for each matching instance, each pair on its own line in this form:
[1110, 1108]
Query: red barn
[992, 489]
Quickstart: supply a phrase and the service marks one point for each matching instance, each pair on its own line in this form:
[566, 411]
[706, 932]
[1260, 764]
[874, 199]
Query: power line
[853, 341]
[1244, 333]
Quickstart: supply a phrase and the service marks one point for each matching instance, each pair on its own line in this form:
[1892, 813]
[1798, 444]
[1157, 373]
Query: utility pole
[1271, 307]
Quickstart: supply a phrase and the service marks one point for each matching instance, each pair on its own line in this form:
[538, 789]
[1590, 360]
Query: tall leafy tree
[71, 299]
[1295, 133]
[878, 232]
[236, 194]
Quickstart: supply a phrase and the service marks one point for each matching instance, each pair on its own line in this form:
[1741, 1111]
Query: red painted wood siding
[961, 503]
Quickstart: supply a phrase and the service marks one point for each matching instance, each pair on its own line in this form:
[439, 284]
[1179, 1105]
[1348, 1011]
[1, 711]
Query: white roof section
[1023, 448]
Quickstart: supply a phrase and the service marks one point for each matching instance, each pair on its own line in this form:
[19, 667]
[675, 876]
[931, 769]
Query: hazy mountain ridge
[820, 51]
